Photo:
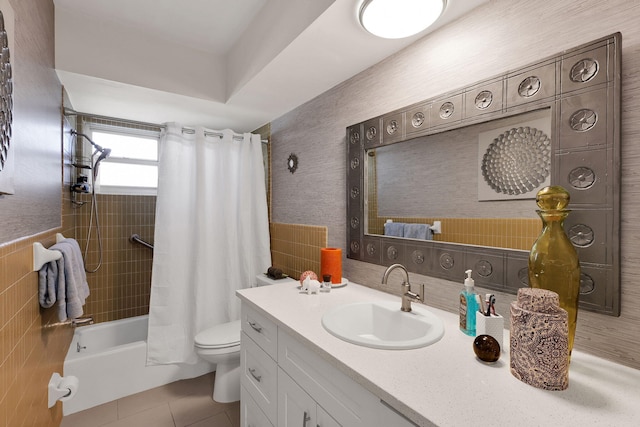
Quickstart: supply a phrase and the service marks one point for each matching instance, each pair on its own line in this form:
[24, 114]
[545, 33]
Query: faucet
[81, 321]
[407, 294]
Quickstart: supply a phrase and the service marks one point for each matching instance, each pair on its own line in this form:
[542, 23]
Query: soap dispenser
[468, 306]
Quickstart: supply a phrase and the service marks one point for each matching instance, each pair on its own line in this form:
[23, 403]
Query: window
[132, 166]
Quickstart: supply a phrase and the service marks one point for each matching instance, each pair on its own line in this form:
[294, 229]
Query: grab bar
[135, 238]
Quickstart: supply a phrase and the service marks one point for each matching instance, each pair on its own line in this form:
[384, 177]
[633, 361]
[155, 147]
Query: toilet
[220, 345]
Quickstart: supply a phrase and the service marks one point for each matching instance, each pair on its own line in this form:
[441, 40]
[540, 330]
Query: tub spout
[81, 321]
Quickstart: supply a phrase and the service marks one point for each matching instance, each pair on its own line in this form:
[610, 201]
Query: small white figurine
[310, 286]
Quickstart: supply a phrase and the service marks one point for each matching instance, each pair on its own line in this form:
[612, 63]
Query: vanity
[295, 373]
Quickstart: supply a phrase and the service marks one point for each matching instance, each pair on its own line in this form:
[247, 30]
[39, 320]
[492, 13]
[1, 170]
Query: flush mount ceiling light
[395, 19]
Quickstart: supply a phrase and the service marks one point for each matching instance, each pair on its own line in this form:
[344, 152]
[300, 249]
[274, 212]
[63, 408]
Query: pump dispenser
[468, 306]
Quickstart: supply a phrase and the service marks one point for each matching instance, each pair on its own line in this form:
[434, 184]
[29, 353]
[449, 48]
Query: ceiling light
[395, 19]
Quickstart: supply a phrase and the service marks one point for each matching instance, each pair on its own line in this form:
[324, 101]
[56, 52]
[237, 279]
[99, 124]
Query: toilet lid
[219, 336]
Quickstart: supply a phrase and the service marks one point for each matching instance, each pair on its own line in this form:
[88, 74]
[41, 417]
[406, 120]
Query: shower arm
[96, 146]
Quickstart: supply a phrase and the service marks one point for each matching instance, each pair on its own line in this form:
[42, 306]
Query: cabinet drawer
[346, 401]
[261, 330]
[259, 376]
[250, 414]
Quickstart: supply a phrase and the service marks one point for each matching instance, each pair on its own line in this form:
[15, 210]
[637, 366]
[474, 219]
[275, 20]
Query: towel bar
[42, 255]
[74, 323]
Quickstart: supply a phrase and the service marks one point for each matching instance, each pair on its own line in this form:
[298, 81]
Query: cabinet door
[349, 403]
[324, 419]
[295, 407]
[250, 413]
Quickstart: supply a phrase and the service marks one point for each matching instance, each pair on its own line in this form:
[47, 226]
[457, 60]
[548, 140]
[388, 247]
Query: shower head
[104, 153]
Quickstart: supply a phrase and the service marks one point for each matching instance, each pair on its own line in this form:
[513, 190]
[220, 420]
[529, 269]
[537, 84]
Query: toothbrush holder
[490, 325]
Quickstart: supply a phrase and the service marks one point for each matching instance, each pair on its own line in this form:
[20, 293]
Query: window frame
[125, 131]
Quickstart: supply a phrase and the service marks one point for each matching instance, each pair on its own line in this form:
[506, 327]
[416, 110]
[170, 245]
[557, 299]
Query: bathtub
[109, 360]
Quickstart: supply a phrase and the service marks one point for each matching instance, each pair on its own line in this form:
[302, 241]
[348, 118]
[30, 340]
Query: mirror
[411, 182]
[474, 160]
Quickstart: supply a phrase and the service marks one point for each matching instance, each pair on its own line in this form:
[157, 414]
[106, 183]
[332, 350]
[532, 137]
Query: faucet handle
[421, 293]
[407, 288]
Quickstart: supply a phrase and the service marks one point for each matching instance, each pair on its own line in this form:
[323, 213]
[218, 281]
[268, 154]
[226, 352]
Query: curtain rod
[70, 112]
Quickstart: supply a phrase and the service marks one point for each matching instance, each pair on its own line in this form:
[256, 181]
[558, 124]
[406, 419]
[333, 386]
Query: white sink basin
[383, 325]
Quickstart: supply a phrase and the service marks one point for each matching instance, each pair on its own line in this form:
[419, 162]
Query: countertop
[445, 384]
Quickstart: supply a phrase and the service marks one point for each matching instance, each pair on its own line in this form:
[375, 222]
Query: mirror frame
[585, 159]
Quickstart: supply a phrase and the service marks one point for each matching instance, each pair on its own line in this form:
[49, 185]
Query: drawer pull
[253, 374]
[305, 419]
[256, 327]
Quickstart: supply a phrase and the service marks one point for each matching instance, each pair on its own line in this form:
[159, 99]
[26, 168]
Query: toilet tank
[263, 280]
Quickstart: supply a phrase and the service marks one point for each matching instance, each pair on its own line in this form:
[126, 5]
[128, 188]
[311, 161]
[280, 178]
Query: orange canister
[331, 263]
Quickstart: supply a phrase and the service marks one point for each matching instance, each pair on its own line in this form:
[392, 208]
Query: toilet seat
[220, 336]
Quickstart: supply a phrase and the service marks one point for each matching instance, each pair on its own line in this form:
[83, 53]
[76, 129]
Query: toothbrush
[488, 304]
[492, 305]
[480, 304]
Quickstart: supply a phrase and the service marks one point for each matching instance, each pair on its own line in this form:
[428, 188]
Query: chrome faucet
[407, 294]
[81, 321]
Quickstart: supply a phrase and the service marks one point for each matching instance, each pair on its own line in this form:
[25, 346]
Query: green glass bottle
[553, 260]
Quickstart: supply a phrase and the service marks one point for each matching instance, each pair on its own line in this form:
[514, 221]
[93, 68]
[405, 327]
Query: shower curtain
[211, 236]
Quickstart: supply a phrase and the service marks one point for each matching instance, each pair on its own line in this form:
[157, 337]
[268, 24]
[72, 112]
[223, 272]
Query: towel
[77, 288]
[394, 229]
[70, 282]
[48, 277]
[418, 231]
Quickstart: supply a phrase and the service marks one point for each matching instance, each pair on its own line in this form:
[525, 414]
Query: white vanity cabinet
[422, 386]
[285, 383]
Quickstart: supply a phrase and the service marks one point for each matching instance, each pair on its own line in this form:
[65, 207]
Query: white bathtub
[111, 363]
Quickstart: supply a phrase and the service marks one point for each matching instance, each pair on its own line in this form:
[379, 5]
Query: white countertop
[445, 383]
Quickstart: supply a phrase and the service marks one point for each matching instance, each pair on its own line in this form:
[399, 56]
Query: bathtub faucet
[81, 321]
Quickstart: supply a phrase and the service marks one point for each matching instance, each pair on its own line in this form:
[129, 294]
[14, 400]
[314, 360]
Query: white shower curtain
[211, 236]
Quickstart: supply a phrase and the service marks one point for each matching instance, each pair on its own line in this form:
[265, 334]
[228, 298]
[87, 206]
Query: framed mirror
[449, 184]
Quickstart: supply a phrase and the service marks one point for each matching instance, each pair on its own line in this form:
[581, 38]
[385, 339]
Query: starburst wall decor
[6, 98]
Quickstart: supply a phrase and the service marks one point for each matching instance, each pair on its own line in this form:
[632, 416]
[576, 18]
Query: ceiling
[219, 63]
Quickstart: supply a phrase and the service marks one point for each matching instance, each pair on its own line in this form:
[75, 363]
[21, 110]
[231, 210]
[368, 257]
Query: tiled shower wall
[120, 288]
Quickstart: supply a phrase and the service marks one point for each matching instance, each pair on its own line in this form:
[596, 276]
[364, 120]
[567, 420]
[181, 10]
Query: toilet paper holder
[61, 388]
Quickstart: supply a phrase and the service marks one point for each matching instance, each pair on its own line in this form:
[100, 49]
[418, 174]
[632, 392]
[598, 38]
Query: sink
[383, 325]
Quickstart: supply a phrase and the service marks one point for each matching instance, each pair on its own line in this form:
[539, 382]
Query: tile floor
[185, 403]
